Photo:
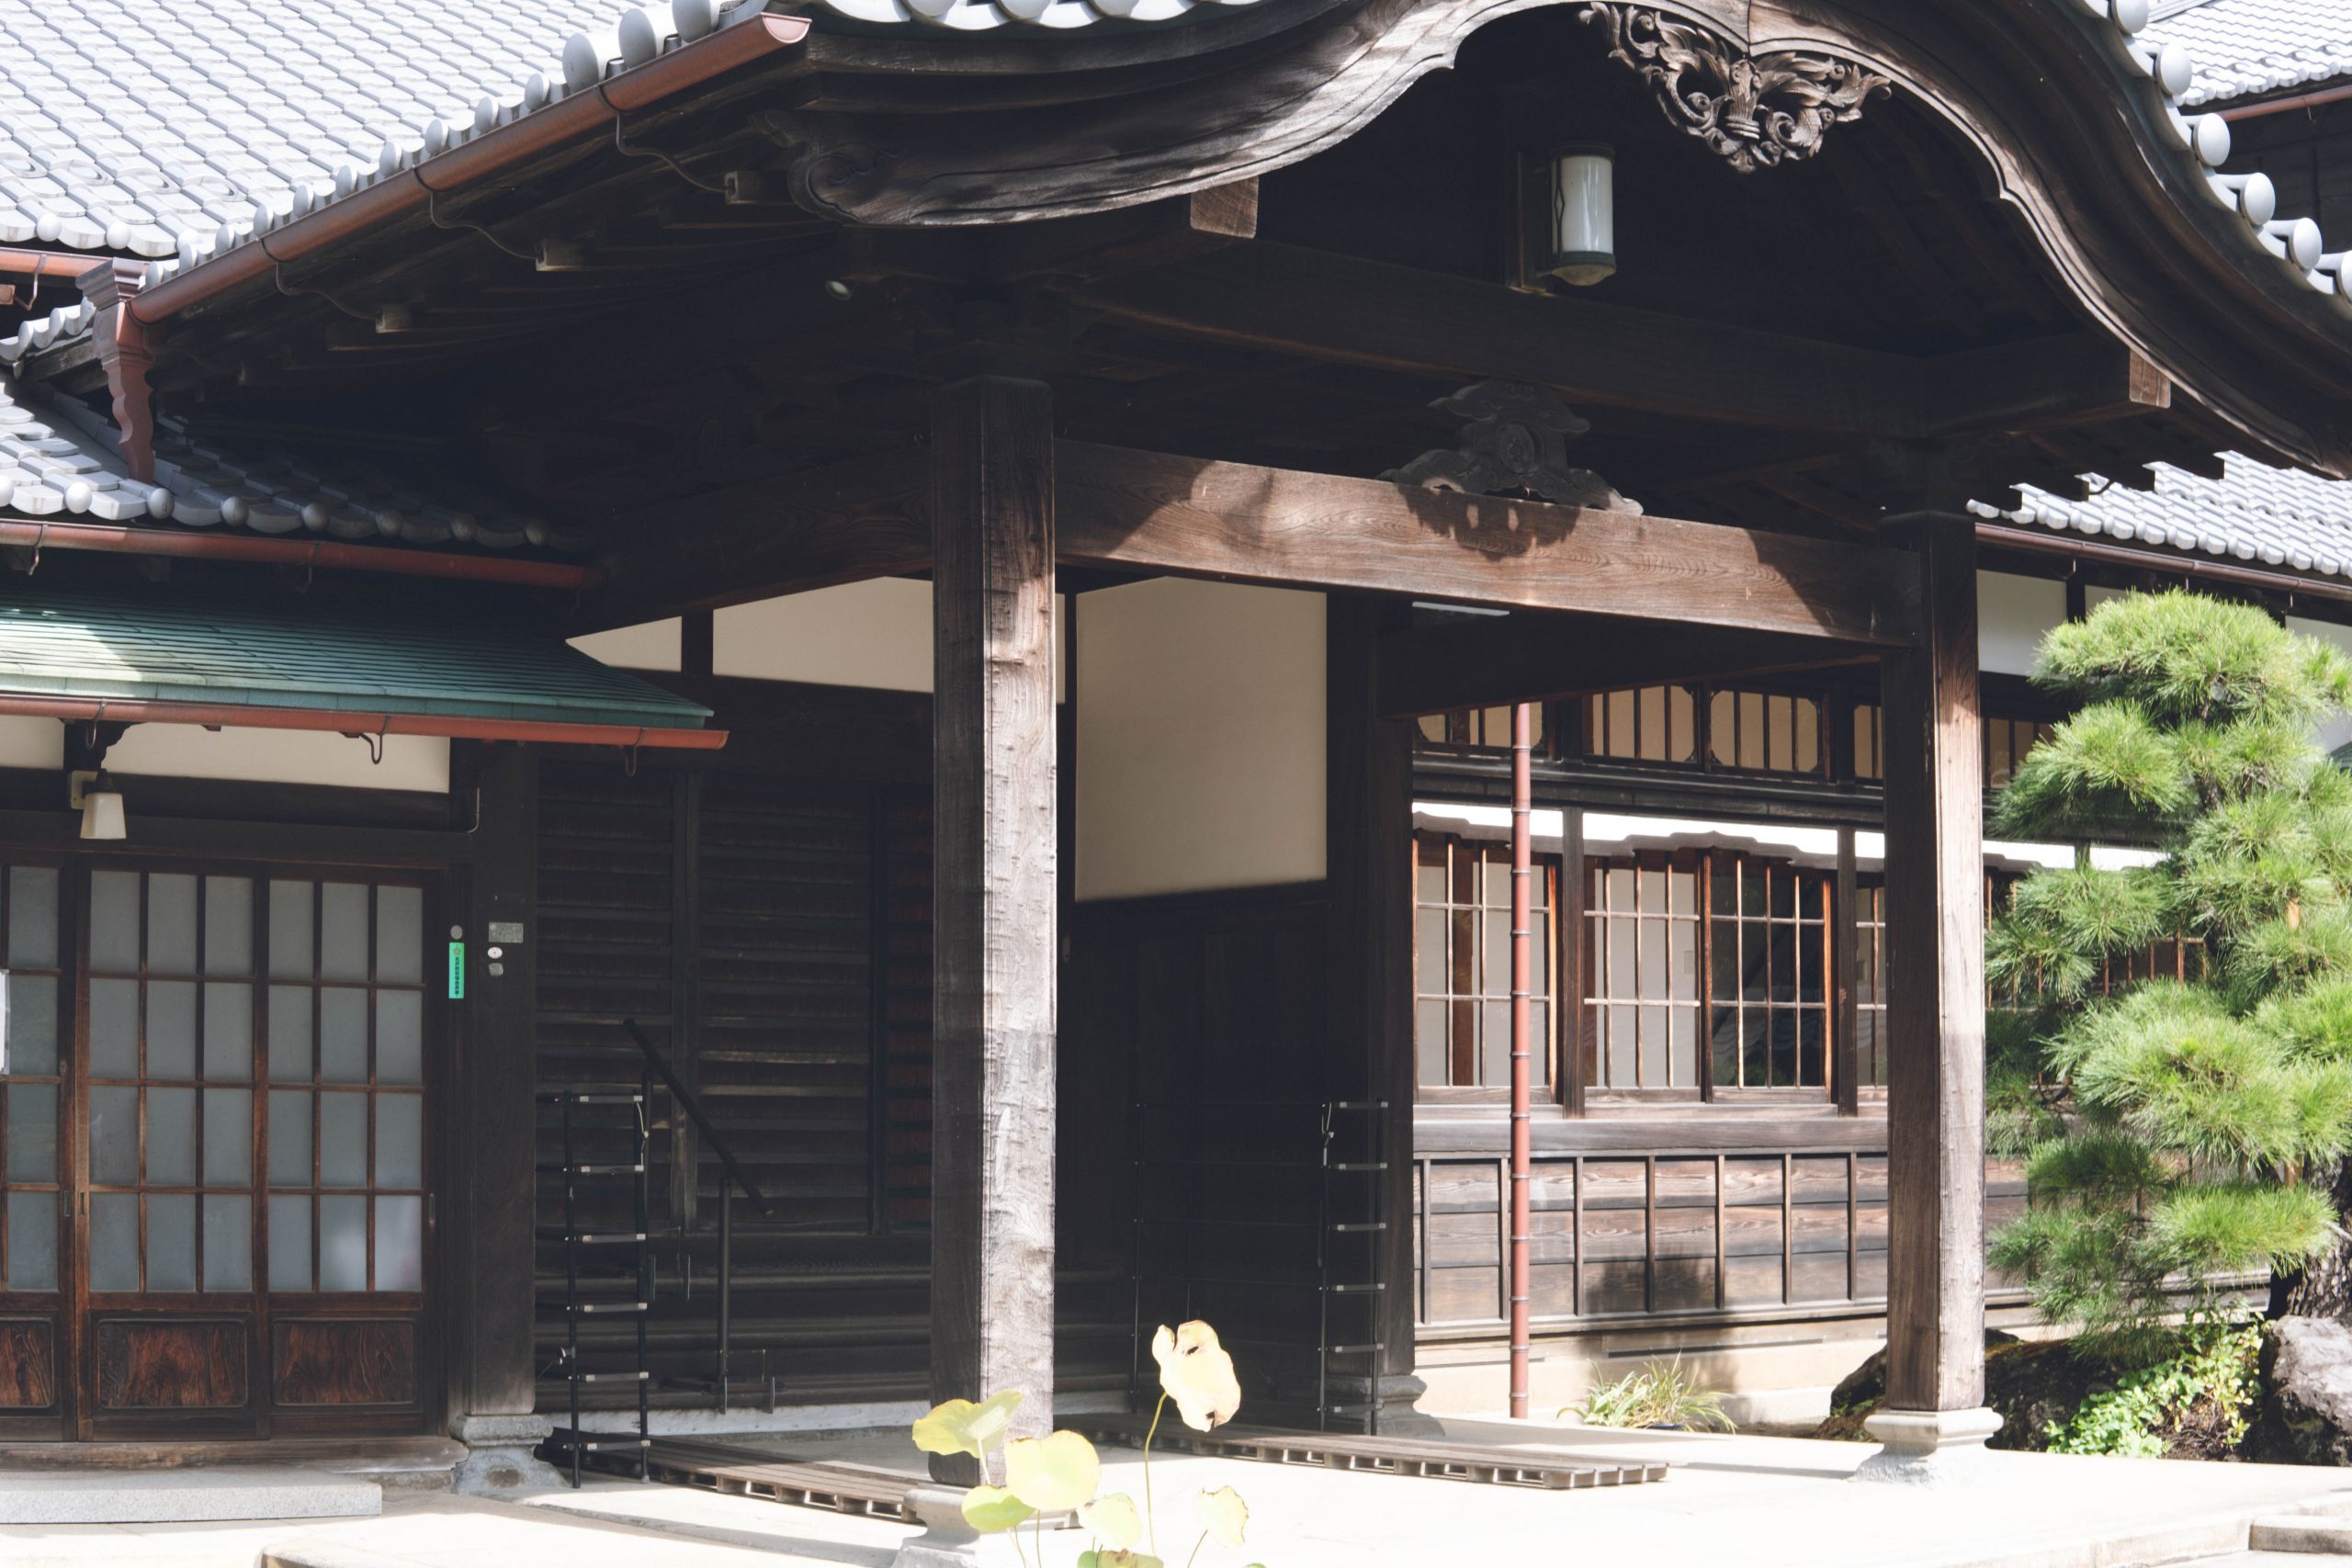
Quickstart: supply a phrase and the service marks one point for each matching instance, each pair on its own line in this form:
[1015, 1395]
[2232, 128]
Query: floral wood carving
[1514, 442]
[1753, 111]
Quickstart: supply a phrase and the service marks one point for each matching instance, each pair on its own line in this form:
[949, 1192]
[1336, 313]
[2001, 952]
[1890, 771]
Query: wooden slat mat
[1436, 1460]
[809, 1483]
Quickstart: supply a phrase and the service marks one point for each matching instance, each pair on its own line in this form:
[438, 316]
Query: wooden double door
[216, 1097]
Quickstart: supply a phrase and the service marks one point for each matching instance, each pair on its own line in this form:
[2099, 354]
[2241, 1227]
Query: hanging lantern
[1584, 229]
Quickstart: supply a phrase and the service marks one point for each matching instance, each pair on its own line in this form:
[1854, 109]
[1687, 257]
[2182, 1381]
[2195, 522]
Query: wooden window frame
[1548, 1089]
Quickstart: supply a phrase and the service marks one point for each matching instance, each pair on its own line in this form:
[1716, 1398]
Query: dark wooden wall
[765, 915]
[1192, 1033]
[1663, 1220]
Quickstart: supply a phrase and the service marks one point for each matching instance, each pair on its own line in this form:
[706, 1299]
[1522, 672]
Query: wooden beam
[1189, 516]
[1149, 514]
[1935, 956]
[994, 954]
[1324, 305]
[1530, 657]
[866, 517]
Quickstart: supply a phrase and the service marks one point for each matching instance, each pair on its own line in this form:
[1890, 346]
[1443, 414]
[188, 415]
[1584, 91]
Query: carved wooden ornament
[1753, 111]
[1514, 441]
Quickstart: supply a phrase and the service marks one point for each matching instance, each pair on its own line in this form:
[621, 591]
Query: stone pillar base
[501, 1454]
[948, 1541]
[1920, 1447]
[1398, 1393]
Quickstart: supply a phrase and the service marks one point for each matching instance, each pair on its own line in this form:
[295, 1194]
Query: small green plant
[1061, 1474]
[1659, 1394]
[2213, 1372]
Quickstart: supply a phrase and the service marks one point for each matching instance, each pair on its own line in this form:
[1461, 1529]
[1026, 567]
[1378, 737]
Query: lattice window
[1654, 724]
[1641, 974]
[1462, 964]
[1769, 993]
[1477, 730]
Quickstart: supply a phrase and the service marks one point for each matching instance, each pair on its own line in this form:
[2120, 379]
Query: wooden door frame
[75, 1416]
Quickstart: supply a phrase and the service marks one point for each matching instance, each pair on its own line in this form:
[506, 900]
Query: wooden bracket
[126, 350]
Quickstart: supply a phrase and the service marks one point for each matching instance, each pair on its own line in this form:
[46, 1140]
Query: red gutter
[574, 115]
[16, 262]
[328, 555]
[2280, 106]
[226, 716]
[2169, 562]
[1523, 978]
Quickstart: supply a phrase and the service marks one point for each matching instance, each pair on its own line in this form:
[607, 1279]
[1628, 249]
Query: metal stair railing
[658, 1066]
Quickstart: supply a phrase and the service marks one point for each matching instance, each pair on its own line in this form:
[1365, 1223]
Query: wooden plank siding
[766, 932]
[1699, 1234]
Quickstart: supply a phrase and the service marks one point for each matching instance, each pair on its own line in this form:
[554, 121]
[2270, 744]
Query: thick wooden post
[491, 1195]
[1935, 965]
[1369, 869]
[993, 966]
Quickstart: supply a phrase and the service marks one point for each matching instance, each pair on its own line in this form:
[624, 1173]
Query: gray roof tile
[2247, 46]
[2254, 512]
[59, 460]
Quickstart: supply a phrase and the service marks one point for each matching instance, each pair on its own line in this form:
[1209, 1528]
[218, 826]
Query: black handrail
[692, 1108]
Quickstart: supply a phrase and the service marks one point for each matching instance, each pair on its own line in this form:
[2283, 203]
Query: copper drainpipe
[1522, 970]
[18, 262]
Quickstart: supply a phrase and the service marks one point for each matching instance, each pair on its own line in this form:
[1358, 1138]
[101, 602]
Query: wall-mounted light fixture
[93, 795]
[1584, 228]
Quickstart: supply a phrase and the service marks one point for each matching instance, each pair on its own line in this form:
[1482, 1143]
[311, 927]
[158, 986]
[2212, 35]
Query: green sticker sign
[457, 971]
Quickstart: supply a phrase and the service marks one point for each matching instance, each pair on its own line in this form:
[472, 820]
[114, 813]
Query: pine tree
[2177, 1130]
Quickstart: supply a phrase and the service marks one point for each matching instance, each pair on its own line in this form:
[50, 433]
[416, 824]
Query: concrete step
[29, 1496]
[2305, 1534]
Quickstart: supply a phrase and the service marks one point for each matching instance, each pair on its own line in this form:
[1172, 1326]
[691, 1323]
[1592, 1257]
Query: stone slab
[183, 1496]
[2301, 1532]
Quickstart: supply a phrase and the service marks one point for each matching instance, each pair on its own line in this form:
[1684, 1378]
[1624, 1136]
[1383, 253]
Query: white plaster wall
[875, 633]
[280, 756]
[1200, 738]
[31, 742]
[2012, 615]
[653, 645]
[2337, 729]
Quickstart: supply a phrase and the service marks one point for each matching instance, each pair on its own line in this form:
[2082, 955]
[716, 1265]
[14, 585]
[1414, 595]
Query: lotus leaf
[960, 1426]
[1222, 1514]
[1195, 1372]
[988, 1509]
[1052, 1475]
[1114, 1520]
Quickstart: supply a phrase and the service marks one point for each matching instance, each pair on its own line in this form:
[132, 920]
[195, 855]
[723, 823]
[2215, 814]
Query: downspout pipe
[580, 113]
[1523, 971]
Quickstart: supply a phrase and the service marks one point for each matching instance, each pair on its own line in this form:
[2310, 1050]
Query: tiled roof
[2268, 516]
[2248, 47]
[58, 460]
[179, 128]
[980, 15]
[130, 122]
[367, 656]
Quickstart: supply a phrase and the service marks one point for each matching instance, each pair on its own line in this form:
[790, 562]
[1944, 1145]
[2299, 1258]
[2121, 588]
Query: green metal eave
[168, 653]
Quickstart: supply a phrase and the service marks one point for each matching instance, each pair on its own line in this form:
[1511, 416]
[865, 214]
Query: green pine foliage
[2177, 1130]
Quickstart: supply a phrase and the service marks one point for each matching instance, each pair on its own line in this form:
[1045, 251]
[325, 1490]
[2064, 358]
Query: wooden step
[1435, 1461]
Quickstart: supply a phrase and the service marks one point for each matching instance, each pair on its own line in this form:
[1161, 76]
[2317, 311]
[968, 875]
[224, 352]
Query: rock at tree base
[2305, 1416]
[2031, 1384]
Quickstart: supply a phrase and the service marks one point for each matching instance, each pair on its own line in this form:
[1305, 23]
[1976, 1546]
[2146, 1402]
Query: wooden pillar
[489, 1199]
[1935, 966]
[993, 887]
[1368, 871]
